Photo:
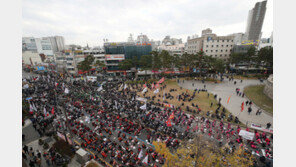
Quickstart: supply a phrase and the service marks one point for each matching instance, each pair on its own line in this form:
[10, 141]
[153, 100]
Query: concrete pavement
[226, 89]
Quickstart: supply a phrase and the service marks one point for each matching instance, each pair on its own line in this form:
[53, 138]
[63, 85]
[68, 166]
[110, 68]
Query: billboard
[114, 56]
[250, 42]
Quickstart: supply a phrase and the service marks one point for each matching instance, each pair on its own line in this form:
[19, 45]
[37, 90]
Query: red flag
[152, 86]
[172, 116]
[228, 99]
[156, 86]
[52, 111]
[161, 80]
[169, 123]
[144, 85]
[242, 107]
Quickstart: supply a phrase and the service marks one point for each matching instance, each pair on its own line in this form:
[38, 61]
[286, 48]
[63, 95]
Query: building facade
[171, 41]
[30, 57]
[178, 49]
[211, 44]
[29, 44]
[255, 21]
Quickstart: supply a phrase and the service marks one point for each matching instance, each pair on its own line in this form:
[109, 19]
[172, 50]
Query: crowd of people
[118, 129]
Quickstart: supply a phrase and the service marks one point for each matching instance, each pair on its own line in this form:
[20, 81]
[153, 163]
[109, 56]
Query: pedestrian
[247, 102]
[234, 82]
[192, 84]
[38, 162]
[243, 95]
[211, 104]
[204, 86]
[47, 160]
[249, 110]
[23, 137]
[24, 155]
[258, 111]
[32, 163]
[268, 125]
[25, 148]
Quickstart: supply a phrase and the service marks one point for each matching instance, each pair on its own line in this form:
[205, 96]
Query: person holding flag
[242, 107]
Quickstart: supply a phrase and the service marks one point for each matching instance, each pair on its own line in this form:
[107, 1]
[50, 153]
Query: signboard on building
[250, 42]
[114, 57]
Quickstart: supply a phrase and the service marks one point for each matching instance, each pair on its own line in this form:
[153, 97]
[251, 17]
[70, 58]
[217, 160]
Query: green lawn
[255, 93]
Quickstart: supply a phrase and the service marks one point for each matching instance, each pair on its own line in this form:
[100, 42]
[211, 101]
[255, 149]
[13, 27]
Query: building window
[217, 45]
[227, 40]
[216, 50]
[230, 45]
[230, 50]
[231, 40]
[207, 45]
[222, 45]
[221, 50]
[220, 55]
[225, 55]
[217, 40]
[211, 50]
[206, 50]
[212, 46]
[226, 45]
[215, 55]
[222, 40]
[226, 50]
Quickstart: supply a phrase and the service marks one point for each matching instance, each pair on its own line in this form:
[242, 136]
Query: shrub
[40, 142]
[45, 146]
[63, 148]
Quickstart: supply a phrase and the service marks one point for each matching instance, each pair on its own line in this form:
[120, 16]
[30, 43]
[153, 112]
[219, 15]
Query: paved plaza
[226, 89]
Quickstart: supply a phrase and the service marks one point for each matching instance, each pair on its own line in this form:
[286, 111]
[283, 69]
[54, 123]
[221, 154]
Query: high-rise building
[238, 38]
[255, 21]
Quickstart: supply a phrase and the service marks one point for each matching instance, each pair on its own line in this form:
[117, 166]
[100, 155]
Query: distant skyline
[90, 21]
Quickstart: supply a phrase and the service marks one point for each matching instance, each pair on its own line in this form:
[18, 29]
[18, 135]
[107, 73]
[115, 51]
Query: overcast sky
[90, 21]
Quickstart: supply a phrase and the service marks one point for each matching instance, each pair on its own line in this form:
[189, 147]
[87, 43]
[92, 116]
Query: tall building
[212, 45]
[255, 21]
[171, 41]
[238, 38]
[29, 44]
[116, 52]
[130, 38]
[142, 39]
[44, 46]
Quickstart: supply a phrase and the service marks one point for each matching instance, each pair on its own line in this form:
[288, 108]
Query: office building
[211, 44]
[255, 21]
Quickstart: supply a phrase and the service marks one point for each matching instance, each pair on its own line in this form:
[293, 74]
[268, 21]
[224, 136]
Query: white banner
[247, 135]
[259, 127]
[145, 90]
[141, 99]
